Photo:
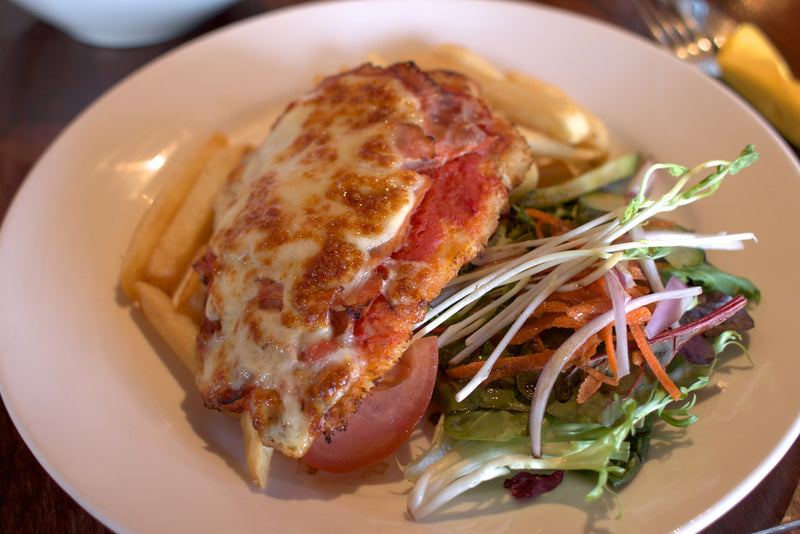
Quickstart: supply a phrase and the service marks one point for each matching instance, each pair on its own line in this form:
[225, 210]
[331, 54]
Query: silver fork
[676, 25]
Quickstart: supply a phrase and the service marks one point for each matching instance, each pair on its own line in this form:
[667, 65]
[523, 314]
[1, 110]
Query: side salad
[587, 319]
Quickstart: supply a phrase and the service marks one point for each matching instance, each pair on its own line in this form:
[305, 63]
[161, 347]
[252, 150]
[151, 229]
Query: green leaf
[486, 425]
[747, 157]
[652, 253]
[711, 278]
[677, 170]
[639, 443]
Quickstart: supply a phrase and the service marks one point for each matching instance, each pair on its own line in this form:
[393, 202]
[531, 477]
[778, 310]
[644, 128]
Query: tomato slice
[386, 416]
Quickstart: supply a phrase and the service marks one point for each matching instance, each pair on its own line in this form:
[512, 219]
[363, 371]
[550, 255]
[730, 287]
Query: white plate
[117, 422]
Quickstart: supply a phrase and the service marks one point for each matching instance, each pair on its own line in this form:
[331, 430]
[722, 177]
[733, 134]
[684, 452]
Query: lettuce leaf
[712, 279]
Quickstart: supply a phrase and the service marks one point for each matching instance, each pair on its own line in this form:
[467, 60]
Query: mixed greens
[587, 319]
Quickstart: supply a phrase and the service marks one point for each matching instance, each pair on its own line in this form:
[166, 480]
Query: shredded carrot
[514, 365]
[558, 225]
[588, 387]
[652, 361]
[597, 375]
[503, 367]
[589, 309]
[551, 306]
[591, 384]
[570, 309]
[598, 287]
[540, 230]
[638, 291]
[584, 353]
[608, 338]
[573, 316]
[573, 296]
[561, 301]
[636, 271]
[638, 316]
[540, 324]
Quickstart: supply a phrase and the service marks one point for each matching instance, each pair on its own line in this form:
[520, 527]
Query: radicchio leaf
[666, 344]
[698, 350]
[712, 300]
[525, 485]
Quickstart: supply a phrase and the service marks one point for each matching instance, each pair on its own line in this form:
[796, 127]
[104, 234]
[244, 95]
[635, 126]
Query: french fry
[192, 223]
[189, 297]
[258, 455]
[525, 101]
[562, 121]
[600, 139]
[541, 87]
[376, 59]
[462, 60]
[541, 145]
[178, 330]
[177, 185]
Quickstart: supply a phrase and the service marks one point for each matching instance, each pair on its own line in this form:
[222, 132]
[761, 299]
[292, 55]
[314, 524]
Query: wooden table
[46, 79]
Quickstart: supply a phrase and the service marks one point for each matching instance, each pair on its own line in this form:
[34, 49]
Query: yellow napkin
[755, 69]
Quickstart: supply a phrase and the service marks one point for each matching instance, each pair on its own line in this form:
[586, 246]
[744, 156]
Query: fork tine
[670, 27]
[701, 34]
[652, 17]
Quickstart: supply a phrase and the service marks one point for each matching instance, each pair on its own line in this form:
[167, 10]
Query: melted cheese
[327, 189]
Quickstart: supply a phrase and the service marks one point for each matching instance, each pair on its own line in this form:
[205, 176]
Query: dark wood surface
[46, 79]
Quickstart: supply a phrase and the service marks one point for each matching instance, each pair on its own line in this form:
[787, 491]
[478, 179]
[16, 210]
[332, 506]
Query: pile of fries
[157, 271]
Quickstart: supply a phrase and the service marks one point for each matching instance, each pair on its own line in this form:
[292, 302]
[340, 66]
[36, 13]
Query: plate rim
[733, 497]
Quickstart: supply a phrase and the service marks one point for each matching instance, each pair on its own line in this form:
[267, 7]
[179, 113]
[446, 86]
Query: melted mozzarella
[327, 189]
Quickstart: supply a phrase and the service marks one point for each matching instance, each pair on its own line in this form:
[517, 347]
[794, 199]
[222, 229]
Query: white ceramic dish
[124, 23]
[115, 419]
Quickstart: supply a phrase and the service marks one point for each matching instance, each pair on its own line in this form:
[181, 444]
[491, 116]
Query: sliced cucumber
[592, 205]
[610, 172]
[685, 257]
[602, 201]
